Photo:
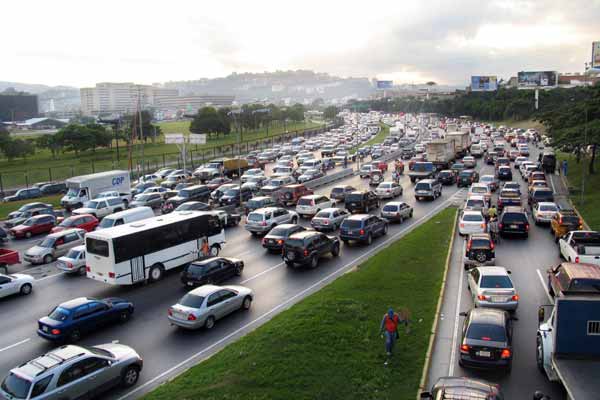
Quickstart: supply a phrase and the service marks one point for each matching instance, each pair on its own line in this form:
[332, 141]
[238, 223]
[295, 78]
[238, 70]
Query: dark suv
[192, 193]
[513, 220]
[305, 248]
[466, 177]
[210, 271]
[447, 177]
[361, 201]
[362, 228]
[479, 251]
[540, 194]
[290, 194]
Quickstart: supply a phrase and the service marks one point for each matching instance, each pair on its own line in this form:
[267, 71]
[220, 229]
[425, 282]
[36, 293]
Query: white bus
[143, 250]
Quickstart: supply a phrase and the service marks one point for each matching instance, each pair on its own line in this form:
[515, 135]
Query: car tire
[48, 258]
[82, 271]
[369, 239]
[539, 354]
[25, 289]
[209, 323]
[247, 303]
[238, 271]
[314, 262]
[335, 251]
[124, 315]
[125, 204]
[130, 376]
[385, 230]
[289, 263]
[27, 234]
[156, 273]
[401, 219]
[411, 214]
[74, 336]
[294, 220]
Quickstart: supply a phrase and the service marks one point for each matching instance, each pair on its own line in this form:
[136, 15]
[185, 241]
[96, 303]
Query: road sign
[197, 138]
[174, 138]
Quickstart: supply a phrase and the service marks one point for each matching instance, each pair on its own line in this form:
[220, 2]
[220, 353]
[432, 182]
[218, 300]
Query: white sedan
[471, 222]
[15, 284]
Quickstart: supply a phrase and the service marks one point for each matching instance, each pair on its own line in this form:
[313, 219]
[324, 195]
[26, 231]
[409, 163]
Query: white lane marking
[50, 276]
[539, 274]
[552, 184]
[277, 307]
[14, 345]
[456, 320]
[262, 273]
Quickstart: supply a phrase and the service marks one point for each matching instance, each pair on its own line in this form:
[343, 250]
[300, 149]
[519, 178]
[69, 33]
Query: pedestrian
[345, 162]
[565, 167]
[389, 327]
[492, 212]
[205, 249]
[493, 229]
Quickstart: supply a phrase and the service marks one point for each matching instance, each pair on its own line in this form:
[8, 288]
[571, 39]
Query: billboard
[385, 84]
[537, 79]
[596, 55]
[484, 83]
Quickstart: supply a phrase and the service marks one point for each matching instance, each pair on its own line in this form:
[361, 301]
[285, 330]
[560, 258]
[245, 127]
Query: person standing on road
[345, 162]
[565, 166]
[389, 326]
[492, 212]
[493, 229]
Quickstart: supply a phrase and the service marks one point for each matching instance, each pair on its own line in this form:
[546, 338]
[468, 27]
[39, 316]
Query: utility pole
[585, 73]
[139, 106]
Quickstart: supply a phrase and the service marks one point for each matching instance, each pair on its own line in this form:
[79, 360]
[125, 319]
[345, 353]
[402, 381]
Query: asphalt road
[528, 259]
[165, 349]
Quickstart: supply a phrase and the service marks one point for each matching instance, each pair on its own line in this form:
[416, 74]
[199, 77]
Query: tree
[50, 142]
[18, 148]
[330, 112]
[209, 121]
[77, 138]
[148, 129]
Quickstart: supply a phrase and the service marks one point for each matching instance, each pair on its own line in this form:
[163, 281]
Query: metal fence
[13, 180]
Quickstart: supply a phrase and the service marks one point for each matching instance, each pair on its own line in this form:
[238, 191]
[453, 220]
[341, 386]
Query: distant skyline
[81, 43]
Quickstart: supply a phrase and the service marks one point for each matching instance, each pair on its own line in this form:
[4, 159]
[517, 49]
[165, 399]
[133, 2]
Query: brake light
[55, 331]
[492, 245]
[482, 297]
[577, 260]
[306, 253]
[560, 220]
[505, 353]
[191, 317]
[362, 231]
[464, 348]
[69, 265]
[87, 268]
[280, 241]
[469, 244]
[170, 311]
[111, 274]
[263, 241]
[462, 225]
[526, 227]
[515, 297]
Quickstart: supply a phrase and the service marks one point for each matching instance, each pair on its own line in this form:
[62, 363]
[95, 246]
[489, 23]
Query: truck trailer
[440, 152]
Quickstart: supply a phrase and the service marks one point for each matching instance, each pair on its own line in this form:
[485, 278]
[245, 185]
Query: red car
[382, 166]
[84, 221]
[33, 226]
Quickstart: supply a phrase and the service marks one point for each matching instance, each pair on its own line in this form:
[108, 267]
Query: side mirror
[426, 395]
[541, 314]
[508, 271]
[463, 314]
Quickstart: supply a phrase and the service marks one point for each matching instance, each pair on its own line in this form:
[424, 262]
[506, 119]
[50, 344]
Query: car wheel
[74, 336]
[294, 220]
[411, 213]
[125, 315]
[385, 229]
[81, 271]
[48, 258]
[539, 354]
[247, 303]
[125, 204]
[369, 239]
[26, 289]
[335, 251]
[209, 323]
[156, 273]
[314, 261]
[401, 219]
[130, 376]
[289, 263]
[27, 234]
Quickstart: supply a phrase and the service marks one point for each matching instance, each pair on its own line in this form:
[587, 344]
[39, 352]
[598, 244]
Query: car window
[96, 307]
[81, 311]
[71, 374]
[71, 237]
[40, 386]
[4, 280]
[226, 294]
[191, 300]
[487, 332]
[213, 299]
[496, 281]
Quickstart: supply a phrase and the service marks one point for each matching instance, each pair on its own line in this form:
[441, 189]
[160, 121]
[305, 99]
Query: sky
[79, 43]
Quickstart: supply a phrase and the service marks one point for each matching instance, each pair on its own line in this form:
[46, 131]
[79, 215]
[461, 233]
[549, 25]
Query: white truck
[462, 142]
[86, 187]
[581, 247]
[440, 152]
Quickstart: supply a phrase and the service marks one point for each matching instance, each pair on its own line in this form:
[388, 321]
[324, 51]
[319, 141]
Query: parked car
[305, 248]
[340, 192]
[70, 372]
[486, 340]
[471, 221]
[491, 287]
[308, 206]
[53, 188]
[452, 387]
[16, 284]
[211, 270]
[203, 306]
[17, 218]
[100, 208]
[33, 226]
[543, 212]
[397, 211]
[274, 240]
[362, 228]
[513, 220]
[54, 246]
[73, 262]
[329, 219]
[428, 189]
[479, 250]
[71, 320]
[24, 194]
[361, 201]
[263, 220]
[87, 222]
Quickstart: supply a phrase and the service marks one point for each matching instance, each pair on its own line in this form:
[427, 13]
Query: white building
[110, 97]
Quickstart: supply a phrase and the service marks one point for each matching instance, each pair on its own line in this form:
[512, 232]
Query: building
[568, 80]
[17, 106]
[108, 97]
[38, 124]
[192, 103]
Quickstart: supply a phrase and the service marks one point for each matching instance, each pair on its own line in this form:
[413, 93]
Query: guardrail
[327, 179]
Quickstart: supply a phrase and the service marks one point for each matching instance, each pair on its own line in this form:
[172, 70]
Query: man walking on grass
[389, 326]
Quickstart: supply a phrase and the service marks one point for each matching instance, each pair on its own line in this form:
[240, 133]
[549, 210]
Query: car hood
[19, 227]
[37, 251]
[15, 221]
[23, 276]
[84, 210]
[14, 214]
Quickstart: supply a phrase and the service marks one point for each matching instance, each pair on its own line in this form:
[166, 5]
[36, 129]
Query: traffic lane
[144, 331]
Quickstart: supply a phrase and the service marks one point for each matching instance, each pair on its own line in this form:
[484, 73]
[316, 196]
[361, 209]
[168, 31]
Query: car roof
[479, 236]
[495, 270]
[394, 203]
[488, 316]
[66, 231]
[50, 360]
[74, 303]
[476, 197]
[205, 290]
[358, 217]
[513, 209]
[472, 212]
[329, 209]
[304, 234]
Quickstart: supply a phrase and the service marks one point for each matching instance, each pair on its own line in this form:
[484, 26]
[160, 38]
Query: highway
[165, 349]
[528, 259]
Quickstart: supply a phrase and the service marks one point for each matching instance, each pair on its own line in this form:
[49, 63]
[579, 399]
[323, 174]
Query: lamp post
[234, 113]
[585, 73]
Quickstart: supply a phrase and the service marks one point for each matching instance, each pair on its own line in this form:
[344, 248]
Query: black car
[362, 228]
[274, 240]
[361, 201]
[407, 153]
[452, 387]
[490, 157]
[211, 270]
[191, 193]
[540, 194]
[305, 248]
[486, 341]
[467, 177]
[507, 198]
[513, 220]
[480, 250]
[53, 188]
[447, 177]
[24, 194]
[232, 196]
[504, 173]
[259, 202]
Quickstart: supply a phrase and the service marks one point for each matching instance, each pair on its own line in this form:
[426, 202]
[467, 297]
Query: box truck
[86, 187]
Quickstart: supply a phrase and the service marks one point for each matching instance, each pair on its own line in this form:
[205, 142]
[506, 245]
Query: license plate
[499, 299]
[514, 226]
[291, 256]
[486, 354]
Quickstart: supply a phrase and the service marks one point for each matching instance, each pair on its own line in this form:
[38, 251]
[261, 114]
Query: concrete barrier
[327, 179]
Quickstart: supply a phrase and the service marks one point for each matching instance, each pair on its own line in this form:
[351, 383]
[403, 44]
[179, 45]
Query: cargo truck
[462, 142]
[568, 343]
[86, 187]
[441, 153]
[422, 170]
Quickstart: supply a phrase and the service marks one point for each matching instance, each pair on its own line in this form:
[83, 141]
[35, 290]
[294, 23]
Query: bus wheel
[156, 273]
[214, 250]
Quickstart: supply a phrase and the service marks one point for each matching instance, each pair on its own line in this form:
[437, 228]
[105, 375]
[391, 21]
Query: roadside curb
[565, 182]
[433, 333]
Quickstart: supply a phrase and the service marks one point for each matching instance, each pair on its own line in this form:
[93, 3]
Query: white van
[476, 150]
[125, 217]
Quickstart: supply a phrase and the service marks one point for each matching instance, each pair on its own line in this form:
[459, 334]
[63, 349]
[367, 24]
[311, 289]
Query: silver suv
[70, 372]
[263, 220]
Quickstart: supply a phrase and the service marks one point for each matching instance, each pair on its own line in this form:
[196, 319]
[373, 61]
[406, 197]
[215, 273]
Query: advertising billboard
[385, 84]
[484, 83]
[596, 55]
[537, 79]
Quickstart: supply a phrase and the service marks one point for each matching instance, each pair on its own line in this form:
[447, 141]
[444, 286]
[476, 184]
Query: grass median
[327, 346]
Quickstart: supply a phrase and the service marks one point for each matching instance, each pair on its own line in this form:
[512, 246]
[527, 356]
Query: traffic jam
[218, 249]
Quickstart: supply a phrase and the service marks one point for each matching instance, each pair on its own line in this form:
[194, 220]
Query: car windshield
[30, 222]
[48, 242]
[480, 244]
[92, 204]
[354, 197]
[542, 193]
[16, 386]
[487, 332]
[73, 254]
[495, 281]
[255, 217]
[191, 300]
[304, 201]
[352, 224]
[184, 193]
[466, 174]
[548, 207]
[59, 314]
[570, 220]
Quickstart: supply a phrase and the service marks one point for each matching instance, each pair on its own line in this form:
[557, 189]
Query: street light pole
[587, 66]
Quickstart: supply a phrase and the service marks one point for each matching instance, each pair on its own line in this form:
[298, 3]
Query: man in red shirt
[389, 326]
